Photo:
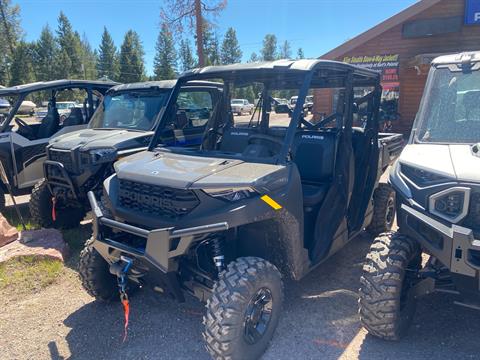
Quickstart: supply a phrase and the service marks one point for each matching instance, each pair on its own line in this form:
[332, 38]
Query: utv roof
[164, 84]
[471, 56]
[280, 66]
[265, 71]
[51, 85]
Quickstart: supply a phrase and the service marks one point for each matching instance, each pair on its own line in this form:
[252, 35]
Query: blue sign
[472, 12]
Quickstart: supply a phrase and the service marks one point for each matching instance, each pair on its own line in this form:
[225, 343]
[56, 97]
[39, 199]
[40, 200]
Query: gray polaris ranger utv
[124, 123]
[437, 181]
[265, 194]
[23, 139]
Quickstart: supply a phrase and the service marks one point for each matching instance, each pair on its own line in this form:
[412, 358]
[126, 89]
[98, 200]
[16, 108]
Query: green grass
[75, 238]
[13, 219]
[28, 274]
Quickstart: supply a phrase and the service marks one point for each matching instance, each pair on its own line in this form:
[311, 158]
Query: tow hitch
[120, 270]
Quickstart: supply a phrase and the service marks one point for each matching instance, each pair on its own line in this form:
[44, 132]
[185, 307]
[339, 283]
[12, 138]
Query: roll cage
[281, 74]
[22, 91]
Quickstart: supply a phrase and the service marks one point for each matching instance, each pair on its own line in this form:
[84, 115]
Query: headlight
[451, 204]
[231, 194]
[421, 177]
[98, 156]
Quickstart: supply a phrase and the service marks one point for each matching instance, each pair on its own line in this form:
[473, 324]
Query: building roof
[56, 84]
[379, 29]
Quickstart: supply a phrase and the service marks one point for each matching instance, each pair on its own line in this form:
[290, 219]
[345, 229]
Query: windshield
[450, 108]
[135, 111]
[237, 102]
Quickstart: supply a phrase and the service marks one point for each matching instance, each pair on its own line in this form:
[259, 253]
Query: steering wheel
[257, 138]
[24, 128]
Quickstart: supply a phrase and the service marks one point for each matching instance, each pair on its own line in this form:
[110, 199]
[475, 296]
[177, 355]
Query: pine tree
[132, 68]
[285, 51]
[62, 65]
[254, 57]
[300, 54]
[89, 59]
[269, 50]
[22, 64]
[10, 34]
[187, 61]
[45, 55]
[107, 64]
[165, 62]
[231, 52]
[211, 45]
[70, 44]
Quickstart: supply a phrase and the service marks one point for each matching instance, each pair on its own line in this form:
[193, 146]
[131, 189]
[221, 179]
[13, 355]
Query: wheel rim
[258, 315]
[390, 213]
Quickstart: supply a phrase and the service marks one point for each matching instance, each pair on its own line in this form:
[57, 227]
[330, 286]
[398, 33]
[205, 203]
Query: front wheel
[68, 215]
[387, 304]
[244, 309]
[383, 210]
[95, 274]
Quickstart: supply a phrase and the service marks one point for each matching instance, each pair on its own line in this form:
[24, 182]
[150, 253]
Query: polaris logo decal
[237, 133]
[313, 137]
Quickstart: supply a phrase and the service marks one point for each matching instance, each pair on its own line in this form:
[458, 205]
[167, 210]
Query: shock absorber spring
[217, 246]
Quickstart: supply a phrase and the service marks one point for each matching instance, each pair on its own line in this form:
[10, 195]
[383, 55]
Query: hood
[94, 138]
[194, 172]
[458, 162]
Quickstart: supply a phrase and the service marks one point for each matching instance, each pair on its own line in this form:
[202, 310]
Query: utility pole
[199, 23]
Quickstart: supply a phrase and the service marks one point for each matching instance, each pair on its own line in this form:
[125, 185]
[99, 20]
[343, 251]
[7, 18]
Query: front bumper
[57, 176]
[454, 246]
[161, 247]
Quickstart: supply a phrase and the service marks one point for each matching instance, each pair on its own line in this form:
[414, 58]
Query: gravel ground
[319, 321]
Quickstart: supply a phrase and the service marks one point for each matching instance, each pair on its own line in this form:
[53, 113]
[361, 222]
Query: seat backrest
[314, 154]
[50, 124]
[75, 117]
[182, 120]
[235, 140]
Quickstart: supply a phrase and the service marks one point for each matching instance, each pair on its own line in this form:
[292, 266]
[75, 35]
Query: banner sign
[472, 12]
[387, 65]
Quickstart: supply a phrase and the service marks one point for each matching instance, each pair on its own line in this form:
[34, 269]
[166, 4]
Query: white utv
[437, 181]
[23, 138]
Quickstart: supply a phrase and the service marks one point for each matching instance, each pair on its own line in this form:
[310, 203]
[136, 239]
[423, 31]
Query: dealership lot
[320, 321]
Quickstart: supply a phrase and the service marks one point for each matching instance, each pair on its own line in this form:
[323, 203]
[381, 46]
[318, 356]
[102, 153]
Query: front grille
[162, 201]
[63, 157]
[473, 218]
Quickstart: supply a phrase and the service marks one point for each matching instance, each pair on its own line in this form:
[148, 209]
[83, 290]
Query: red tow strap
[126, 310]
[54, 211]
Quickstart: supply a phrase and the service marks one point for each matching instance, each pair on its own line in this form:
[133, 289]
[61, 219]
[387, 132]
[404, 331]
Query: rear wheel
[383, 210]
[387, 304]
[95, 274]
[244, 309]
[68, 215]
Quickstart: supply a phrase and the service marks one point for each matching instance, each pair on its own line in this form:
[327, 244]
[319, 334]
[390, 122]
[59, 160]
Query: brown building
[402, 47]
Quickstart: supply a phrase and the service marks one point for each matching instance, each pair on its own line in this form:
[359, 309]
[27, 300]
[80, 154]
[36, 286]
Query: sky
[316, 26]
